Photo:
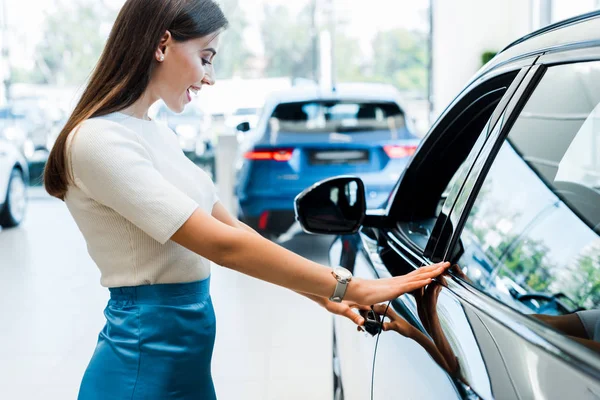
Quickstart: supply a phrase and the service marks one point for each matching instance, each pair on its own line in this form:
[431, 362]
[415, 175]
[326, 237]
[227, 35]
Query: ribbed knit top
[133, 189]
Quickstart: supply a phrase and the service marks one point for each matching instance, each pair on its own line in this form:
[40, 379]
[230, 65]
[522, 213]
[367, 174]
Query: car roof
[571, 32]
[564, 25]
[343, 91]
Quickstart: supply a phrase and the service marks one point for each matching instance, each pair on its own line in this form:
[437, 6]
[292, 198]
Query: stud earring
[161, 58]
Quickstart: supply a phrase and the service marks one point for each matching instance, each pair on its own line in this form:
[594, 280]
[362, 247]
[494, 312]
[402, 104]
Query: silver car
[14, 179]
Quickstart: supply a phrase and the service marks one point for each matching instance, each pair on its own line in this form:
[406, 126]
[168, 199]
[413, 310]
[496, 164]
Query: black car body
[506, 186]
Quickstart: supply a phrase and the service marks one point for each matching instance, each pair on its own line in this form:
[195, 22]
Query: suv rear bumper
[275, 222]
[274, 215]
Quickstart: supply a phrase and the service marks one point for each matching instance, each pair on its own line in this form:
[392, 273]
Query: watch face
[343, 273]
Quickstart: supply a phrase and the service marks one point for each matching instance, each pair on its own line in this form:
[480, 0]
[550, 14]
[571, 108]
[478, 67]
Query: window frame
[464, 201]
[411, 178]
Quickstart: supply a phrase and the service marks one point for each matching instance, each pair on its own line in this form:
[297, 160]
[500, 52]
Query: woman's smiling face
[184, 68]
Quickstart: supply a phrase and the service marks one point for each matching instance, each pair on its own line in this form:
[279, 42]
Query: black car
[506, 186]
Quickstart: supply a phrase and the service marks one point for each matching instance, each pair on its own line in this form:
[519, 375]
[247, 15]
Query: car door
[532, 258]
[516, 317]
[455, 142]
[445, 331]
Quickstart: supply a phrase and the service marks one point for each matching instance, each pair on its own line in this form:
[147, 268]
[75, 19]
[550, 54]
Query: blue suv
[307, 134]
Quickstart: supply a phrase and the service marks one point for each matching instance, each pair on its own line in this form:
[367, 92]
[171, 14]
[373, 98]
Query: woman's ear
[165, 41]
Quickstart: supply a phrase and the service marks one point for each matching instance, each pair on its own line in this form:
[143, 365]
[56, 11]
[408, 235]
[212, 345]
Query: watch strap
[339, 292]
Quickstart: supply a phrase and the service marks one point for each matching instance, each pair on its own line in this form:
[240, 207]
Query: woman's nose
[208, 79]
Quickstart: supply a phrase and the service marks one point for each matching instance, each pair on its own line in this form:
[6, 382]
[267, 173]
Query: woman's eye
[206, 62]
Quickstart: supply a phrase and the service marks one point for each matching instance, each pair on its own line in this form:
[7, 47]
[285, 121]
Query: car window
[454, 186]
[531, 238]
[339, 116]
[438, 177]
[421, 230]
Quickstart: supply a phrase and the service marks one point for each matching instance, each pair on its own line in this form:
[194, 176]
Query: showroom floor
[271, 343]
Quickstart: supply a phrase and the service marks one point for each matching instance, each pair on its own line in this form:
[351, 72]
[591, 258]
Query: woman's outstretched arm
[344, 309]
[258, 257]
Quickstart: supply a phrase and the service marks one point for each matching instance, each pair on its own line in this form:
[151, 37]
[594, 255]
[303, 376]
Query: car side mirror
[243, 127]
[333, 206]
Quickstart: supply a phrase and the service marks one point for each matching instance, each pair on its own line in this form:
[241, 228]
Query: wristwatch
[343, 277]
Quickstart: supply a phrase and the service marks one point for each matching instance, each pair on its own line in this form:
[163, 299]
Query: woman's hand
[345, 309]
[381, 290]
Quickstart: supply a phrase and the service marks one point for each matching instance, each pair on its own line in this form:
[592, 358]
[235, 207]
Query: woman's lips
[194, 89]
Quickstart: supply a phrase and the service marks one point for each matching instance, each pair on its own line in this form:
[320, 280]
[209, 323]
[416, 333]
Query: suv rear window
[338, 116]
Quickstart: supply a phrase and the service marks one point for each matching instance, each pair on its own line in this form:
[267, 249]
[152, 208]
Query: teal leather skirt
[157, 344]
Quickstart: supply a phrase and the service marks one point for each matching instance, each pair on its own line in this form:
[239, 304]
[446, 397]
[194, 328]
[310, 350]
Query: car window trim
[493, 144]
[521, 73]
[407, 186]
[434, 242]
[473, 85]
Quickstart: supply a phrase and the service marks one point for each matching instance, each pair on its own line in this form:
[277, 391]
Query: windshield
[337, 116]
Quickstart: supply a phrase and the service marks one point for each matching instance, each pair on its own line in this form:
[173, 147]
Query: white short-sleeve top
[133, 189]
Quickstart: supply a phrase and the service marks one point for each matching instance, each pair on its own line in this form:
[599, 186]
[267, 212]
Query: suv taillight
[394, 151]
[270, 154]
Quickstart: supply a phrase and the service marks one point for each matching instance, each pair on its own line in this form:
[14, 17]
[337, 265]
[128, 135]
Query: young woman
[152, 220]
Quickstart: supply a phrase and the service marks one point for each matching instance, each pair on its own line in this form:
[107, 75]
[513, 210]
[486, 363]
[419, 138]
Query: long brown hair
[124, 69]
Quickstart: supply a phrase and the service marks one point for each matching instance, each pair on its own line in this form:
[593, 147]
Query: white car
[192, 125]
[247, 115]
[14, 179]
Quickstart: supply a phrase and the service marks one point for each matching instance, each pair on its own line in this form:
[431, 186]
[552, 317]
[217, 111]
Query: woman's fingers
[360, 307]
[410, 286]
[354, 317]
[390, 288]
[433, 272]
[433, 268]
[346, 310]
